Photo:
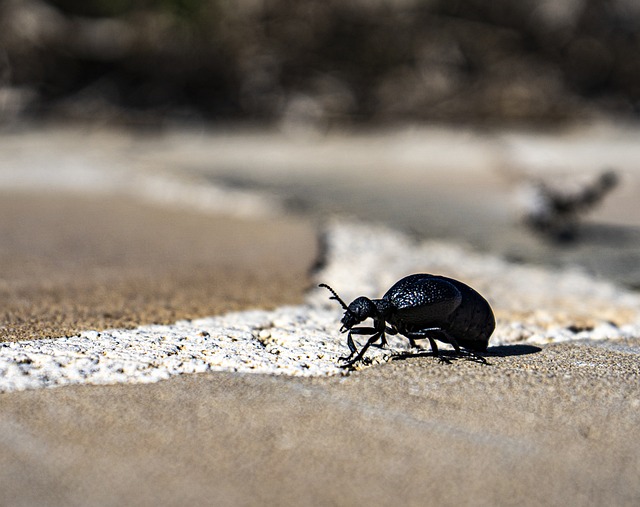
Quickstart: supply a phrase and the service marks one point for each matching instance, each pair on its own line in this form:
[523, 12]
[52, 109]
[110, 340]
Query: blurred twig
[555, 209]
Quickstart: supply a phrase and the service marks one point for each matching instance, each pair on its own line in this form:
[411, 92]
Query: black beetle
[418, 307]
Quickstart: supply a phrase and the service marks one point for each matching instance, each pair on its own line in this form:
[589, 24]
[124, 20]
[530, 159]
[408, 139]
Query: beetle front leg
[352, 349]
[352, 346]
[375, 335]
[360, 355]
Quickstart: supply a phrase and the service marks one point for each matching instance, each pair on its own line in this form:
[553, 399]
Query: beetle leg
[434, 349]
[436, 353]
[380, 330]
[390, 330]
[428, 334]
[413, 344]
[360, 355]
[412, 336]
[352, 346]
[363, 330]
[461, 352]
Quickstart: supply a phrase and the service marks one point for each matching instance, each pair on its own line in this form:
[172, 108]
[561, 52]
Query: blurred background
[510, 126]
[323, 62]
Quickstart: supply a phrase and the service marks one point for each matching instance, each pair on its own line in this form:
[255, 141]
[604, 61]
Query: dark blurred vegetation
[320, 61]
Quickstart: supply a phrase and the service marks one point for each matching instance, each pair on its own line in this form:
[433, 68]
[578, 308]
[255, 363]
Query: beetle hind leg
[463, 352]
[432, 334]
[473, 356]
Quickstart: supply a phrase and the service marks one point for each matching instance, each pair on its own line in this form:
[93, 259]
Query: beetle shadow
[444, 356]
[447, 356]
[511, 350]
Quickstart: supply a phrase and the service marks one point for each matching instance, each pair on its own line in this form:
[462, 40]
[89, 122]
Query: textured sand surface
[554, 427]
[71, 263]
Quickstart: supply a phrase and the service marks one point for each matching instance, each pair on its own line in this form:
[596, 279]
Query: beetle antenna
[335, 296]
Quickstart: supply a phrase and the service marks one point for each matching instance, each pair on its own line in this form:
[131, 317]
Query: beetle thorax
[384, 308]
[363, 308]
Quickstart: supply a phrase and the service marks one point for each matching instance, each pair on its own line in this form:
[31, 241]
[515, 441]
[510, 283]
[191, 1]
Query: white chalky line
[290, 340]
[298, 340]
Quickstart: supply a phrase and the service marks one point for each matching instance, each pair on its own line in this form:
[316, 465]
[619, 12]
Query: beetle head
[360, 309]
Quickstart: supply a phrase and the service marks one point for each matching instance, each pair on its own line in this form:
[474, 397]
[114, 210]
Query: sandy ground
[555, 425]
[549, 427]
[73, 263]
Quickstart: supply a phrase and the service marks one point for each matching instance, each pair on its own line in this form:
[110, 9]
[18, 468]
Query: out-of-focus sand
[71, 263]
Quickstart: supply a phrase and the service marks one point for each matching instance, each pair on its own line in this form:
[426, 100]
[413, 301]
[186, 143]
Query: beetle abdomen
[472, 323]
[423, 301]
